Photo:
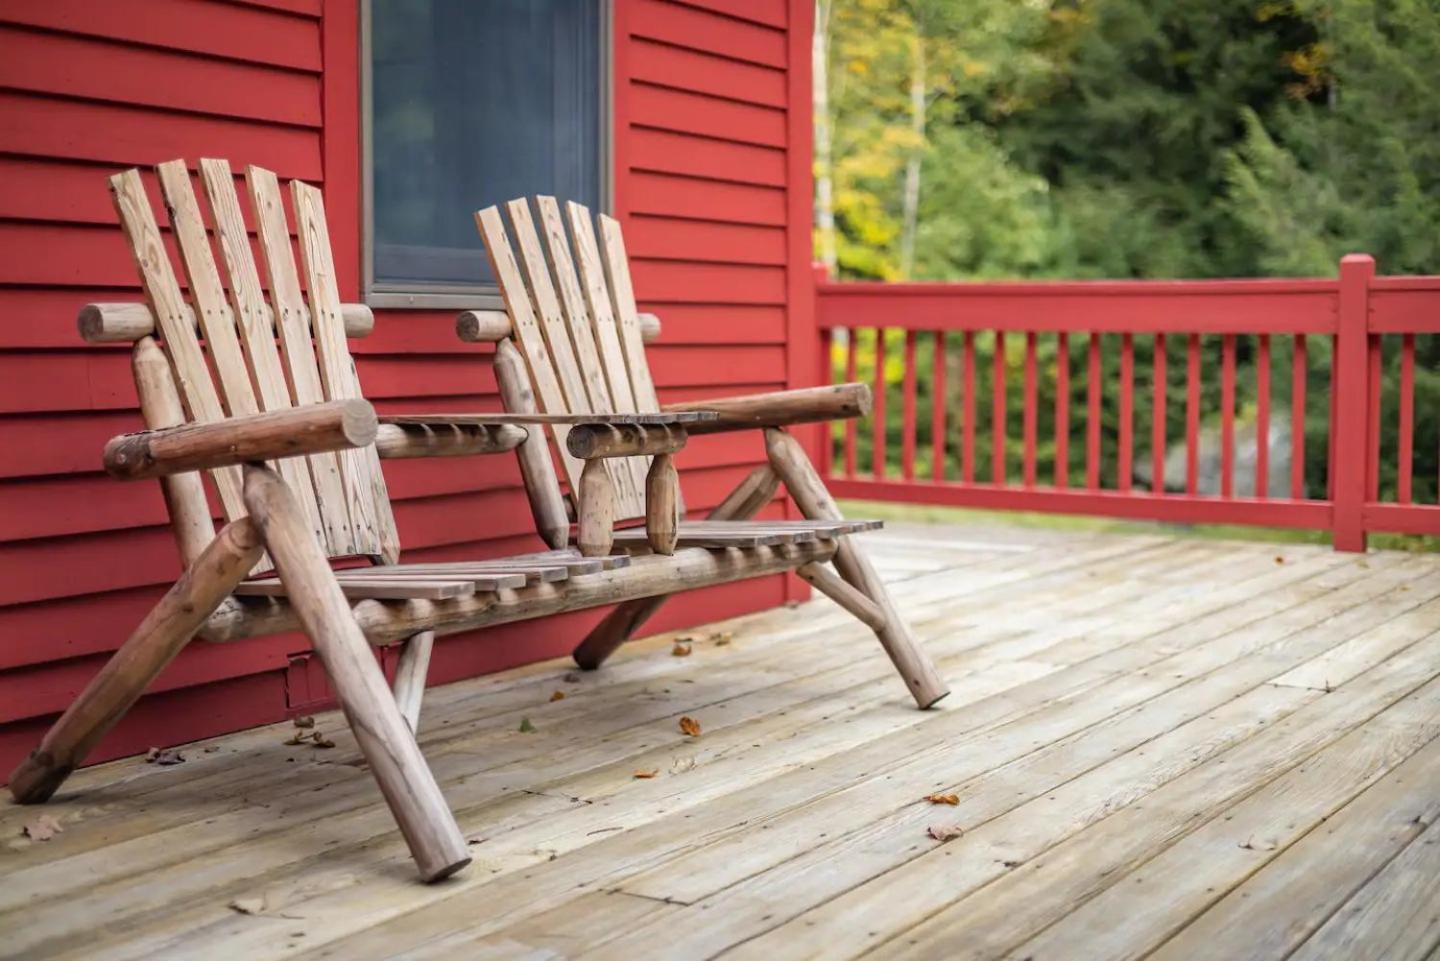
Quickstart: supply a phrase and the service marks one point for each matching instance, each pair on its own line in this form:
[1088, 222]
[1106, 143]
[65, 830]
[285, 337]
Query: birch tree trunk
[824, 166]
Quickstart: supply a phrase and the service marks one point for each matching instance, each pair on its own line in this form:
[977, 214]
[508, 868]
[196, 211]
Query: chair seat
[722, 534]
[451, 579]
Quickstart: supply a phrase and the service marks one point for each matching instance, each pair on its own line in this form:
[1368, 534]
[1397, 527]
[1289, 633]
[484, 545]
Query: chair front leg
[596, 528]
[662, 504]
[381, 731]
[804, 484]
[155, 643]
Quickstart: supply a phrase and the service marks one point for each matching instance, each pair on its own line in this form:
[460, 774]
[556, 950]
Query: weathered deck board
[1125, 709]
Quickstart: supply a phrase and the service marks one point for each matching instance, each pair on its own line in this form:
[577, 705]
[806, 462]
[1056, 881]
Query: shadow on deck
[1158, 748]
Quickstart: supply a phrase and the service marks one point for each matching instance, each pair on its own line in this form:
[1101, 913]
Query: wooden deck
[1160, 748]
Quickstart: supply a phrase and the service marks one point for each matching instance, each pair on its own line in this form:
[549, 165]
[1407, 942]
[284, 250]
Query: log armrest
[439, 435]
[776, 409]
[294, 432]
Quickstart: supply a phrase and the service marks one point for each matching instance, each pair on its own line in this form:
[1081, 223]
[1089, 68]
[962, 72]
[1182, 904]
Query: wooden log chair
[292, 451]
[570, 344]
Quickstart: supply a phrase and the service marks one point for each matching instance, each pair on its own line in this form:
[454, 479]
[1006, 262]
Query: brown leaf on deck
[304, 720]
[321, 740]
[296, 739]
[722, 638]
[645, 775]
[164, 756]
[557, 696]
[681, 649]
[247, 905]
[526, 727]
[1279, 559]
[943, 798]
[42, 828]
[945, 832]
[689, 727]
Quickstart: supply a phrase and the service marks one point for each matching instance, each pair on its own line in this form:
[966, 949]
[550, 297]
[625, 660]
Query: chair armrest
[294, 432]
[802, 406]
[661, 418]
[439, 436]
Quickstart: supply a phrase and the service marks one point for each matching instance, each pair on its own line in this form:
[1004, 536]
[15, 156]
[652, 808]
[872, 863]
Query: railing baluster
[1062, 410]
[1092, 416]
[851, 339]
[1227, 415]
[878, 434]
[1299, 374]
[827, 367]
[1406, 466]
[907, 429]
[937, 411]
[1372, 456]
[997, 411]
[1124, 466]
[1192, 414]
[967, 440]
[1262, 417]
[1157, 417]
[1031, 403]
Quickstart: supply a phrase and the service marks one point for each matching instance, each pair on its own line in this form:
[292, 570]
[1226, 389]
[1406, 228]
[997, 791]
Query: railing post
[1350, 427]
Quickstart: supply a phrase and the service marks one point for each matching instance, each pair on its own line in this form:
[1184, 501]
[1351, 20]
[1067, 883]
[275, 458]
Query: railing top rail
[1088, 288]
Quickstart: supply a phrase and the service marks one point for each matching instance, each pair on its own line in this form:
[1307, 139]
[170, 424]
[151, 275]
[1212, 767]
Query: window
[470, 103]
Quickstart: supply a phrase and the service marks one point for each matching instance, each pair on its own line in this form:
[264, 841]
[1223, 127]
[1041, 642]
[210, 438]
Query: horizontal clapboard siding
[701, 180]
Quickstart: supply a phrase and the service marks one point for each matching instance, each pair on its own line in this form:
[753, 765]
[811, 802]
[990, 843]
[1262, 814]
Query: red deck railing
[937, 342]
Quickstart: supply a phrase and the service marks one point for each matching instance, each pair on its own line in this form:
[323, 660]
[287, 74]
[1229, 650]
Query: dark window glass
[475, 102]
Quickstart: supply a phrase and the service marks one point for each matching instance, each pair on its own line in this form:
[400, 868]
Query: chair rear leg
[805, 485]
[753, 493]
[385, 739]
[160, 637]
[410, 675]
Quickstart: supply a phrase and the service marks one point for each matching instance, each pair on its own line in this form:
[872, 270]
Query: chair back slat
[187, 359]
[528, 335]
[602, 315]
[292, 321]
[371, 518]
[257, 334]
[627, 313]
[232, 365]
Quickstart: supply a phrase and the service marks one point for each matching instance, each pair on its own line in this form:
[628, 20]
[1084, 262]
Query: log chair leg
[160, 637]
[815, 502]
[596, 532]
[662, 504]
[753, 493]
[410, 674]
[385, 739]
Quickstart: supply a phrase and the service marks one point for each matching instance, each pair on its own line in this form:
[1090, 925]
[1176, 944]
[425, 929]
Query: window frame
[420, 295]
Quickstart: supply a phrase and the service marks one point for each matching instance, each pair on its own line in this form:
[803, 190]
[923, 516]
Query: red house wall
[711, 148]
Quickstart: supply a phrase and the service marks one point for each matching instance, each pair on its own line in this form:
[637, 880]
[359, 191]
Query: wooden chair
[227, 400]
[570, 344]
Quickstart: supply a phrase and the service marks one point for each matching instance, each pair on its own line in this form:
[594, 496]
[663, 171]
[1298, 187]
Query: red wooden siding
[711, 184]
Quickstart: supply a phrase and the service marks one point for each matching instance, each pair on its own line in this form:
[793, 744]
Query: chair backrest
[578, 329]
[232, 366]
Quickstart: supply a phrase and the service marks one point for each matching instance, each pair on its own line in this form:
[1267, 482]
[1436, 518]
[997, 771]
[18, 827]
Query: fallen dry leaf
[526, 727]
[570, 677]
[689, 727]
[247, 905]
[681, 649]
[298, 738]
[943, 798]
[682, 764]
[42, 828]
[1279, 559]
[945, 832]
[164, 756]
[304, 720]
[557, 696]
[645, 775]
[721, 638]
[320, 740]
